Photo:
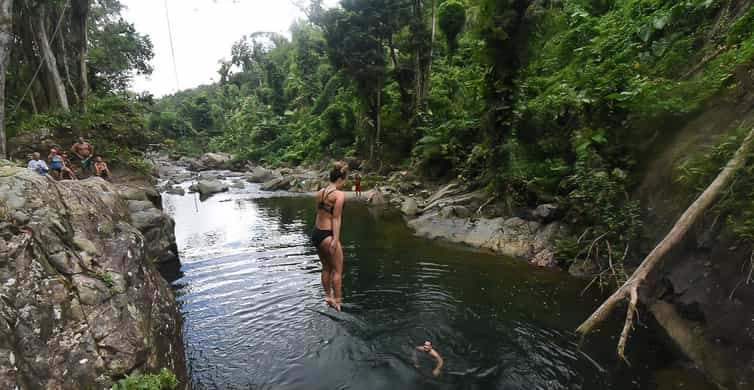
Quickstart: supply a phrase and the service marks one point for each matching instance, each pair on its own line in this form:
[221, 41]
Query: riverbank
[450, 212]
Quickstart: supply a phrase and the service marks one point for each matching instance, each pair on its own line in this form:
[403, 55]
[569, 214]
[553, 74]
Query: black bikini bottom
[319, 235]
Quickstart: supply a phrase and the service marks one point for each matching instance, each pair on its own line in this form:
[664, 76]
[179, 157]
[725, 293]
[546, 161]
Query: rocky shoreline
[449, 212]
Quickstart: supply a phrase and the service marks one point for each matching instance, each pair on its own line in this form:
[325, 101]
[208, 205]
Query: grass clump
[164, 380]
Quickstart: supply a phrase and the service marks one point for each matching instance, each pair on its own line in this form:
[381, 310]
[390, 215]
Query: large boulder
[158, 229]
[277, 184]
[209, 187]
[139, 192]
[210, 161]
[259, 175]
[82, 304]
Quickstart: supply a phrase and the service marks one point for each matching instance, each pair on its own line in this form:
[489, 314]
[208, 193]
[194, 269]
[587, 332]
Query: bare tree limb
[630, 288]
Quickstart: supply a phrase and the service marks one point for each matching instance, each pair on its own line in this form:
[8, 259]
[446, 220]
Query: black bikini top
[324, 206]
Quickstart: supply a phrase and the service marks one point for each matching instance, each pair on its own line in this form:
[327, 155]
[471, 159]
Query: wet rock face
[704, 302]
[82, 304]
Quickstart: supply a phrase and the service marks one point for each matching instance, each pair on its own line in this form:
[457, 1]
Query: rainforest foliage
[69, 66]
[535, 100]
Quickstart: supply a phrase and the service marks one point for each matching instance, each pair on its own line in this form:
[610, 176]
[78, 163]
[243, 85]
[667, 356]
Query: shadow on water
[255, 316]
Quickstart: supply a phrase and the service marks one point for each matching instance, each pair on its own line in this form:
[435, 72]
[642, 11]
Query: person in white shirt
[37, 165]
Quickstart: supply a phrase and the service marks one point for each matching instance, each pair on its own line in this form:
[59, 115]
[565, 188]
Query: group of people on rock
[60, 165]
[326, 236]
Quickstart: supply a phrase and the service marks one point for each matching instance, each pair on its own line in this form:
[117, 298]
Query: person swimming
[431, 351]
[326, 234]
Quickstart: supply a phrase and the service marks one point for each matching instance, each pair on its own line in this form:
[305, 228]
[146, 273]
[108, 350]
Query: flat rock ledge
[81, 303]
[512, 237]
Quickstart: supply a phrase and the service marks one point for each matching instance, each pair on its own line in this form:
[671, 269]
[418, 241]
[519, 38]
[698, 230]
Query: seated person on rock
[100, 168]
[84, 151]
[56, 163]
[429, 350]
[37, 165]
[67, 170]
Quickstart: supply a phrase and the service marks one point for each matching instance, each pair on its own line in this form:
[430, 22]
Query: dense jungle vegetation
[69, 64]
[535, 100]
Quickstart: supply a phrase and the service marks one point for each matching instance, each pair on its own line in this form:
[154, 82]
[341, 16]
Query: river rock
[133, 192]
[545, 258]
[81, 302]
[176, 190]
[158, 229]
[409, 207]
[185, 161]
[259, 175]
[277, 184]
[209, 187]
[545, 212]
[210, 161]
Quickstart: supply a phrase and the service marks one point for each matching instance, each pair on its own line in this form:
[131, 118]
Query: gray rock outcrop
[513, 237]
[277, 184]
[82, 304]
[210, 161]
[158, 229]
[259, 175]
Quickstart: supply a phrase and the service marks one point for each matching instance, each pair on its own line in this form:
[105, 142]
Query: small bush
[165, 380]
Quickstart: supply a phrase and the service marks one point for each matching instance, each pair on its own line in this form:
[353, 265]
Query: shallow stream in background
[255, 317]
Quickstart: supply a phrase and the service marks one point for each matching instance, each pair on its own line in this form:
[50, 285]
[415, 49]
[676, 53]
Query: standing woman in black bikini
[326, 235]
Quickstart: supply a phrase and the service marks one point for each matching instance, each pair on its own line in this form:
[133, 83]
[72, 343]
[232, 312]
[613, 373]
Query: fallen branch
[490, 200]
[629, 290]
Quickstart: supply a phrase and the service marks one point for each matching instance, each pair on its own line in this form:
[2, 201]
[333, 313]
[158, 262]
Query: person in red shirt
[357, 183]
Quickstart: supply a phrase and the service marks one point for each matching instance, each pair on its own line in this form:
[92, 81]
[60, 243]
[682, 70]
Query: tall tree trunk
[30, 56]
[50, 63]
[6, 39]
[79, 18]
[62, 58]
[432, 42]
[630, 289]
[421, 59]
[379, 120]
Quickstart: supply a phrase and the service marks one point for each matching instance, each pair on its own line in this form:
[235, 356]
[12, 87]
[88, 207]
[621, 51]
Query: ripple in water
[255, 317]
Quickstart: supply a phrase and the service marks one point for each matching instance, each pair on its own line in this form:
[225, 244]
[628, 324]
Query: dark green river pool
[255, 318]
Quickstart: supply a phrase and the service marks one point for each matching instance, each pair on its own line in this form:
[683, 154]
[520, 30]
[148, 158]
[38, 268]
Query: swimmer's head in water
[339, 172]
[427, 346]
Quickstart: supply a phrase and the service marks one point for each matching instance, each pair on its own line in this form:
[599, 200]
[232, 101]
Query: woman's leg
[324, 257]
[337, 275]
